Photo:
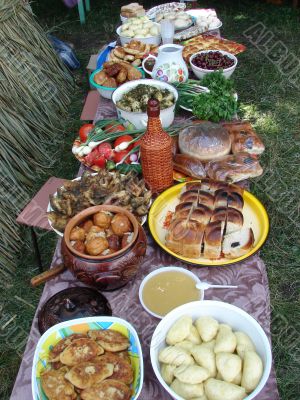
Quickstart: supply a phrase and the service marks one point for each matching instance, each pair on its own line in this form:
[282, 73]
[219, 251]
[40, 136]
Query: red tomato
[111, 128]
[100, 161]
[84, 131]
[124, 139]
[104, 149]
[120, 155]
[90, 158]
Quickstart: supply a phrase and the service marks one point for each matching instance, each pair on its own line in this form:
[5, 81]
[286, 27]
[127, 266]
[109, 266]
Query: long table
[252, 295]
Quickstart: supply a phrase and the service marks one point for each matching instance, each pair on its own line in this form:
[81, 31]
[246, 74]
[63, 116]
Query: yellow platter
[255, 216]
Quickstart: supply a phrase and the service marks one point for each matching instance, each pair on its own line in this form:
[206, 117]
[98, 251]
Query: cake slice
[213, 236]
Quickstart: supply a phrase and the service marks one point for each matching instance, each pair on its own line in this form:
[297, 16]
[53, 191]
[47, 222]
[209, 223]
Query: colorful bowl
[105, 91]
[57, 332]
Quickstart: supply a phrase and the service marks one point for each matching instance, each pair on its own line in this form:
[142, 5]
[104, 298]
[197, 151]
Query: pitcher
[169, 65]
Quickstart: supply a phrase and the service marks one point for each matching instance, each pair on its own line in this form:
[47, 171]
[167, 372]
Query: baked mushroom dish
[104, 187]
[103, 234]
[136, 99]
[208, 222]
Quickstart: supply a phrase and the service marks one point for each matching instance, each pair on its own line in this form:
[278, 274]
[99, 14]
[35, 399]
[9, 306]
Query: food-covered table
[252, 296]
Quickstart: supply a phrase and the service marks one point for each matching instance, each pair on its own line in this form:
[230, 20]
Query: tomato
[100, 161]
[124, 139]
[104, 149]
[90, 158]
[111, 128]
[120, 155]
[84, 131]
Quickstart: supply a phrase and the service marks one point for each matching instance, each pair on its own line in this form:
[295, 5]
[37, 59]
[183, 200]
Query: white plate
[61, 234]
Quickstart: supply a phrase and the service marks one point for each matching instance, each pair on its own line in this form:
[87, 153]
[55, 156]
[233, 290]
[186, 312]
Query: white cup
[167, 31]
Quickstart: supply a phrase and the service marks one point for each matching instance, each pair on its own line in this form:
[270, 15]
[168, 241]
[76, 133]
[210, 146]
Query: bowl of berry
[207, 61]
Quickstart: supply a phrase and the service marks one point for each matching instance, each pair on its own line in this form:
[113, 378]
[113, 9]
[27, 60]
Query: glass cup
[167, 31]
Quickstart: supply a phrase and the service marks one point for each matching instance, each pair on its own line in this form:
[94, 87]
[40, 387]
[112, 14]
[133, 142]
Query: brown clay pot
[105, 272]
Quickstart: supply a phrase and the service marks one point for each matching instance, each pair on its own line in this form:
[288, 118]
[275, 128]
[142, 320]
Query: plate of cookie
[208, 222]
[92, 358]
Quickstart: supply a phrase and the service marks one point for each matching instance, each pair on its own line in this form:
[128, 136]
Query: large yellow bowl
[255, 216]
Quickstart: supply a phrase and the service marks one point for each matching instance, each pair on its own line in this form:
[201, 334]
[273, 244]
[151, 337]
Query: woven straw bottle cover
[156, 152]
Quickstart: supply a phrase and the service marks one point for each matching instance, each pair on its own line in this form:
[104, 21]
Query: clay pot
[105, 272]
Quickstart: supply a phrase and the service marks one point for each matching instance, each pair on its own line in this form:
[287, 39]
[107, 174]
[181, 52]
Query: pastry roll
[244, 138]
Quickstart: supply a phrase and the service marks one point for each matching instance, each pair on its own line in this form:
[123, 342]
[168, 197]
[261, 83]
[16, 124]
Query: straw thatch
[34, 95]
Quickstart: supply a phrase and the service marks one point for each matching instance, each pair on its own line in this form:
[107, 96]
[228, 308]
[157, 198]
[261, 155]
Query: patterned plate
[53, 335]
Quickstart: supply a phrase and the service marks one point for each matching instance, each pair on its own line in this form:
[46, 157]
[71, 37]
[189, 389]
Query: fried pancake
[56, 387]
[122, 369]
[110, 340]
[88, 374]
[62, 344]
[109, 389]
[79, 351]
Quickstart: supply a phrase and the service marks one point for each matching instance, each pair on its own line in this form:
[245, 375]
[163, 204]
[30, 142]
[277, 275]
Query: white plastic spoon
[206, 285]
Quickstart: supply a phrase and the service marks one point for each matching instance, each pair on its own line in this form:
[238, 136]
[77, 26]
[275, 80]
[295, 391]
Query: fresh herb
[125, 168]
[217, 105]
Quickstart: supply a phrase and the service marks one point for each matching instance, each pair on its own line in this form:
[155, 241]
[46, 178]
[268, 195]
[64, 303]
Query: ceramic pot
[105, 272]
[169, 64]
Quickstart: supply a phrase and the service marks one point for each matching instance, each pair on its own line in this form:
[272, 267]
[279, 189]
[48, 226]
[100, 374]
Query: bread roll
[205, 141]
[188, 165]
[244, 138]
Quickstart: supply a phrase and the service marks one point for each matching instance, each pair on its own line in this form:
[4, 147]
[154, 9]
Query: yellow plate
[255, 216]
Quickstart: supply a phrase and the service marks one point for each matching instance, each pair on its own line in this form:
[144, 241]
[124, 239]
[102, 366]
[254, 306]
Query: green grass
[272, 104]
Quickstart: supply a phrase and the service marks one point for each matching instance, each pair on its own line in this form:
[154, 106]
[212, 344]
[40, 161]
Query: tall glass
[167, 31]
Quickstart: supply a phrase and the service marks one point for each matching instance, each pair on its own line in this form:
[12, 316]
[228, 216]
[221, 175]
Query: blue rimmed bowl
[104, 90]
[82, 325]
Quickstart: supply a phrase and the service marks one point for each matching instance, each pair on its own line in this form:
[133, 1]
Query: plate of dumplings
[91, 358]
[210, 350]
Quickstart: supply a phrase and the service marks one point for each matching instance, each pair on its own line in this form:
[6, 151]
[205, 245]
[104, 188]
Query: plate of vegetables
[217, 103]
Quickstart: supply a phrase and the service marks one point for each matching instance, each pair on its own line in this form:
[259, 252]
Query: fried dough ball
[94, 232]
[79, 246]
[77, 233]
[102, 219]
[120, 224]
[96, 246]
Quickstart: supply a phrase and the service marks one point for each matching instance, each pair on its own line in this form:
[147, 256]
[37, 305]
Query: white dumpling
[219, 390]
[207, 328]
[228, 365]
[179, 330]
[125, 27]
[191, 374]
[128, 33]
[154, 31]
[237, 379]
[243, 343]
[252, 371]
[193, 336]
[225, 340]
[205, 357]
[167, 372]
[175, 355]
[186, 345]
[186, 390]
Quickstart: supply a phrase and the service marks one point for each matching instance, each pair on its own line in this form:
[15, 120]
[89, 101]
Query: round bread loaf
[206, 141]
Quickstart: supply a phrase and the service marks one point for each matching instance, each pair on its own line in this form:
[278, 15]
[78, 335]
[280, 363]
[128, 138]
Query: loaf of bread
[214, 209]
[132, 10]
[234, 168]
[244, 138]
[205, 141]
[238, 243]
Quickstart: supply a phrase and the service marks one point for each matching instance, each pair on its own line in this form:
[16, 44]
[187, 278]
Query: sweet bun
[191, 374]
[213, 236]
[194, 336]
[167, 372]
[206, 141]
[234, 221]
[229, 366]
[207, 327]
[175, 355]
[220, 390]
[238, 243]
[186, 390]
[225, 340]
[252, 371]
[244, 343]
[205, 357]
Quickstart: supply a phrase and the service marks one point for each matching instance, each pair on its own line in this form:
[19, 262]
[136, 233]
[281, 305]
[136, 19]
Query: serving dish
[255, 216]
[105, 91]
[225, 313]
[82, 325]
[139, 119]
[142, 219]
[201, 72]
[154, 40]
[160, 271]
[105, 272]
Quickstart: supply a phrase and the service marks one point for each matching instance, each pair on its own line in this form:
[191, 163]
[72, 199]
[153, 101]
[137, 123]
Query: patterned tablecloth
[252, 296]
